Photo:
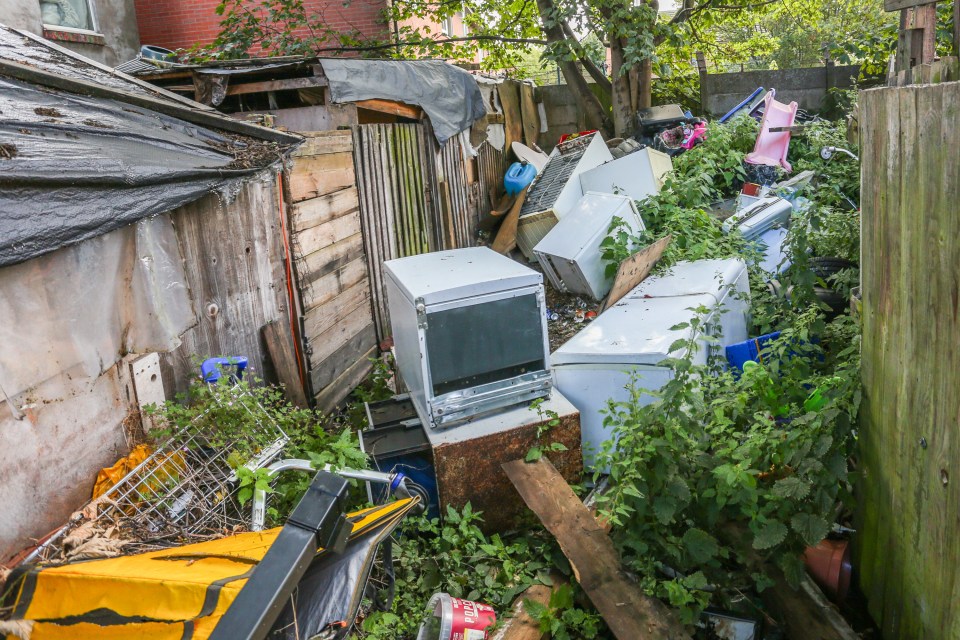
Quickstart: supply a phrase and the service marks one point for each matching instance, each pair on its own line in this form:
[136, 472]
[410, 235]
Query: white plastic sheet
[81, 308]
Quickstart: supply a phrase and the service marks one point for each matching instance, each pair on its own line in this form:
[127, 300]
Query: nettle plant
[728, 474]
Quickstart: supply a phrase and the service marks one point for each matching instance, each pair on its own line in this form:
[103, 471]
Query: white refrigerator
[634, 337]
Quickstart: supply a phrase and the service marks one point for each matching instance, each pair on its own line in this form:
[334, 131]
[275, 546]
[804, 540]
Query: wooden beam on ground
[630, 614]
[276, 85]
[391, 107]
[280, 347]
[634, 269]
[520, 626]
[805, 612]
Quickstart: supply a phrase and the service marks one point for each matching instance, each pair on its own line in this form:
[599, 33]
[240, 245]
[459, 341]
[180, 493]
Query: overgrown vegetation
[726, 478]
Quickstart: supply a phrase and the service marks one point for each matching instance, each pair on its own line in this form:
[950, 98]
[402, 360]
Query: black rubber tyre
[826, 267]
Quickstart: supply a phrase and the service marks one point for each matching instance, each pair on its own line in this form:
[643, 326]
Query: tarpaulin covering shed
[85, 150]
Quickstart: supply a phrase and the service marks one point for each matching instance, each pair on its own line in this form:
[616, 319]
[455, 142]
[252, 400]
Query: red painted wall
[177, 24]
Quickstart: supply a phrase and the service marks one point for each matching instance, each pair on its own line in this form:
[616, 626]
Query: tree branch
[427, 41]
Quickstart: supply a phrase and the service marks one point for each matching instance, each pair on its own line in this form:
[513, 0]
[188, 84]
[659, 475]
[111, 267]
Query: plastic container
[519, 176]
[748, 350]
[450, 618]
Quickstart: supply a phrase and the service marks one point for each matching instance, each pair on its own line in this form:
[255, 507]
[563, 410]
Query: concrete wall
[722, 91]
[116, 39]
[73, 426]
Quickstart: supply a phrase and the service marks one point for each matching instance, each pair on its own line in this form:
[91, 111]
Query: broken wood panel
[344, 358]
[322, 236]
[630, 614]
[910, 477]
[509, 92]
[337, 391]
[392, 107]
[279, 342]
[315, 211]
[461, 217]
[348, 327]
[285, 84]
[491, 167]
[634, 269]
[322, 317]
[529, 114]
[319, 143]
[329, 285]
[237, 279]
[317, 175]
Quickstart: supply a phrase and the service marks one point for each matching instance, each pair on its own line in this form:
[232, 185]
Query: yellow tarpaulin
[176, 593]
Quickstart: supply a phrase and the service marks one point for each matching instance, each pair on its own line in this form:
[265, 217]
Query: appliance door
[484, 353]
[590, 387]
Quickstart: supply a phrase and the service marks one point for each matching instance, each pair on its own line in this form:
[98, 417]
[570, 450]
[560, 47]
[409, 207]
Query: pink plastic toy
[694, 135]
[771, 148]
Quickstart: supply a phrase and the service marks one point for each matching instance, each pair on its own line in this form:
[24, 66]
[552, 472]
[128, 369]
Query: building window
[447, 26]
[67, 14]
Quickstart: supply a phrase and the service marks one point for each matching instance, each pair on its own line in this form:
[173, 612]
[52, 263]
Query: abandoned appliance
[557, 188]
[470, 333]
[633, 338]
[570, 254]
[759, 217]
[638, 174]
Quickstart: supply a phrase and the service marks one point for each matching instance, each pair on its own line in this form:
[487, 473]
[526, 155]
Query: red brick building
[179, 24]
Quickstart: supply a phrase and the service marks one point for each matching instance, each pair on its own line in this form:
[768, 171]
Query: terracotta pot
[829, 565]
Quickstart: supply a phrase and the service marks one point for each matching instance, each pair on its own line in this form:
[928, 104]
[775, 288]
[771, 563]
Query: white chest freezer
[634, 337]
[556, 190]
[761, 216]
[470, 332]
[637, 175]
[570, 252]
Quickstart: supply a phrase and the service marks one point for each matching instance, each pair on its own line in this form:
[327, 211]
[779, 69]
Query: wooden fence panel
[331, 266]
[908, 547]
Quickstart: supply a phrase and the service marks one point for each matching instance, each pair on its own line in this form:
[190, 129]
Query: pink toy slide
[771, 148]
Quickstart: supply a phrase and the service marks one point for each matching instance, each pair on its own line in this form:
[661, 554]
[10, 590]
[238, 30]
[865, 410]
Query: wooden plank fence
[908, 547]
[416, 197]
[330, 265]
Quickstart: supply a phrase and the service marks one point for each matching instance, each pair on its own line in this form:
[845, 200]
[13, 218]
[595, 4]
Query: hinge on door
[421, 313]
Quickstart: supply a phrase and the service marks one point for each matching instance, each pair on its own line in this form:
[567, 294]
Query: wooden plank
[316, 238]
[329, 206]
[529, 114]
[634, 269]
[323, 346]
[320, 143]
[328, 286]
[897, 5]
[316, 175]
[509, 92]
[506, 238]
[329, 259]
[237, 279]
[275, 85]
[392, 107]
[519, 625]
[337, 391]
[325, 373]
[630, 614]
[909, 450]
[280, 347]
[323, 317]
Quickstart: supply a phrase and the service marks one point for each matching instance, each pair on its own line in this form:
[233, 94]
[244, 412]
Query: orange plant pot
[829, 565]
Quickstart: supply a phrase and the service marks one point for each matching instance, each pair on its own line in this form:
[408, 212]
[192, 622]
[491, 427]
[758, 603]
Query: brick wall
[176, 24]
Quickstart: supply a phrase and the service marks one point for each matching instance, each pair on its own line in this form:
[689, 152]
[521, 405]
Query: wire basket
[186, 487]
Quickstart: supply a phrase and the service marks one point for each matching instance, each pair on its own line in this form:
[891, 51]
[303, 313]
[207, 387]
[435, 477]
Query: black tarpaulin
[74, 167]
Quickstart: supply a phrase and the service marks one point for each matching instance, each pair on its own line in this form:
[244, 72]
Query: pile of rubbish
[477, 339]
